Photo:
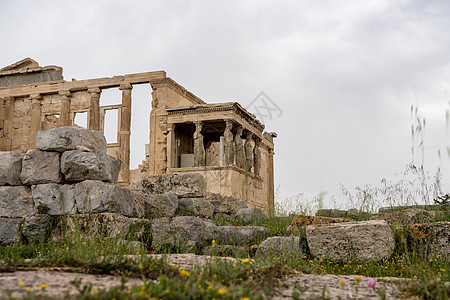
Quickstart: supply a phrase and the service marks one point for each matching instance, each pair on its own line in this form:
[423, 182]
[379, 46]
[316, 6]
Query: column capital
[65, 94]
[94, 90]
[125, 86]
[35, 97]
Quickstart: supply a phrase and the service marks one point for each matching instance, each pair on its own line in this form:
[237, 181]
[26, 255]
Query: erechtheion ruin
[224, 142]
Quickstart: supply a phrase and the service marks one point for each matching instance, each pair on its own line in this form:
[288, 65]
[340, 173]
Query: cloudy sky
[343, 74]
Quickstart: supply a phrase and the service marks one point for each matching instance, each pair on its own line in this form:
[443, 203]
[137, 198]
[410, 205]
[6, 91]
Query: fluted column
[125, 131]
[94, 111]
[35, 119]
[8, 112]
[64, 118]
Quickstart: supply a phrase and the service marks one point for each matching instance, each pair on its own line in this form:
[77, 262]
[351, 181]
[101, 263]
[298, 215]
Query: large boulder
[364, 241]
[94, 196]
[36, 227]
[433, 239]
[299, 223]
[41, 167]
[278, 246]
[183, 233]
[10, 168]
[195, 207]
[184, 185]
[9, 230]
[68, 138]
[54, 199]
[160, 205]
[16, 201]
[80, 165]
[241, 235]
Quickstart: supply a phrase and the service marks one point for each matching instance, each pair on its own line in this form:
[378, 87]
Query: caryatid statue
[199, 147]
[239, 148]
[228, 143]
[257, 157]
[248, 146]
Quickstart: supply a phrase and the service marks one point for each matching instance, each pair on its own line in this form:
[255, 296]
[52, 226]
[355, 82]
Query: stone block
[185, 233]
[10, 168]
[277, 246]
[241, 235]
[224, 204]
[432, 239]
[16, 201]
[331, 213]
[195, 207]
[68, 138]
[36, 227]
[160, 205]
[9, 230]
[299, 223]
[94, 196]
[40, 167]
[54, 199]
[364, 241]
[185, 185]
[79, 165]
[247, 215]
[404, 217]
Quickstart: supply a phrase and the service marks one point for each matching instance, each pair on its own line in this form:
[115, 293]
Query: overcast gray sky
[344, 73]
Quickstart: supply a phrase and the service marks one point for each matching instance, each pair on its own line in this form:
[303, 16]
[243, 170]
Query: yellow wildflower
[28, 289]
[342, 282]
[184, 273]
[357, 278]
[222, 291]
[43, 286]
[21, 284]
[245, 298]
[244, 261]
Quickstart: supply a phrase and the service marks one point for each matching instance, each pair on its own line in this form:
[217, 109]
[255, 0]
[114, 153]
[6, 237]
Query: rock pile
[70, 174]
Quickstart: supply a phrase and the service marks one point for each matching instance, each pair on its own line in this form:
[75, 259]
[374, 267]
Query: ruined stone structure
[223, 142]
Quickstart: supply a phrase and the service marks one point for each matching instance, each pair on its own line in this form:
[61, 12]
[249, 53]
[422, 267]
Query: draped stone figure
[228, 143]
[239, 148]
[199, 147]
[257, 157]
[248, 146]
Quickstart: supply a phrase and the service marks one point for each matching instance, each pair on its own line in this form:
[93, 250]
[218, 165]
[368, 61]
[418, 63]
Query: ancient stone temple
[222, 141]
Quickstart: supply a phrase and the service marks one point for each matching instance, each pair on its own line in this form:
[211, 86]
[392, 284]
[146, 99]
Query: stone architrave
[40, 167]
[239, 148]
[79, 165]
[228, 143]
[54, 199]
[199, 146]
[10, 168]
[16, 201]
[365, 241]
[69, 138]
[257, 156]
[248, 146]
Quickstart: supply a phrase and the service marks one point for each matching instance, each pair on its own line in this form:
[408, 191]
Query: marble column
[64, 119]
[8, 112]
[228, 147]
[248, 146]
[125, 132]
[199, 147]
[239, 148]
[94, 110]
[257, 157]
[35, 119]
